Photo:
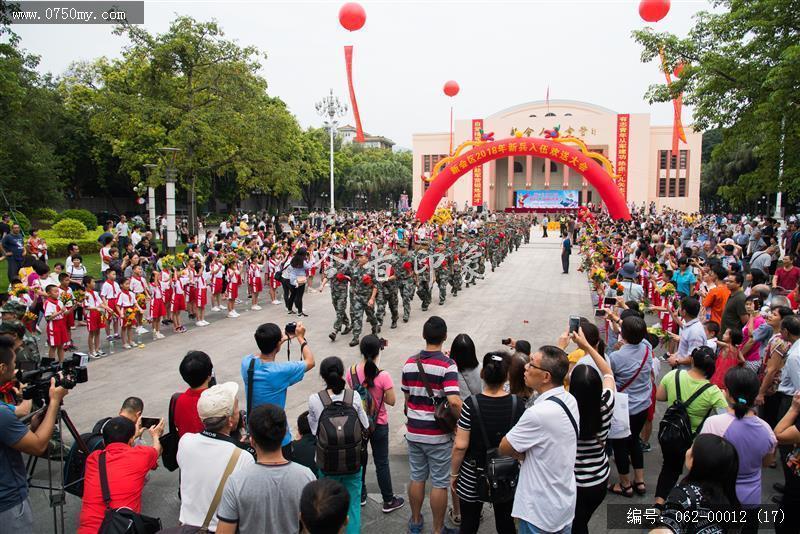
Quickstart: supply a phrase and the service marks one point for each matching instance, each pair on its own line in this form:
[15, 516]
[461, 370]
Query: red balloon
[653, 10]
[678, 70]
[451, 88]
[352, 16]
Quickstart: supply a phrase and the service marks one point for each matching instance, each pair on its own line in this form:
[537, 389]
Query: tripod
[57, 492]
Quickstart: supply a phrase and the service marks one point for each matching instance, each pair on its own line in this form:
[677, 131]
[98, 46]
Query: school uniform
[57, 332]
[94, 317]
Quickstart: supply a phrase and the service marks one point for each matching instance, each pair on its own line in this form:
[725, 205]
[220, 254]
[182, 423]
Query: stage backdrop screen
[547, 199]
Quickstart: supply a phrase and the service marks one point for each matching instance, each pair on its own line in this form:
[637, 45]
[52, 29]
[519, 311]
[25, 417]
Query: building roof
[368, 137]
[538, 104]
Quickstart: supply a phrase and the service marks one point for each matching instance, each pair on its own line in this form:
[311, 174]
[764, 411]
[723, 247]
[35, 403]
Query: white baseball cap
[218, 401]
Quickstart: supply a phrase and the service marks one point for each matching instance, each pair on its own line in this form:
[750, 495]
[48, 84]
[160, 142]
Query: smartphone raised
[600, 313]
[148, 422]
[609, 301]
[574, 323]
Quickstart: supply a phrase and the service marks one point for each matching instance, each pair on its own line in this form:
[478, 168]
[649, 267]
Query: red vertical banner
[348, 60]
[477, 172]
[623, 134]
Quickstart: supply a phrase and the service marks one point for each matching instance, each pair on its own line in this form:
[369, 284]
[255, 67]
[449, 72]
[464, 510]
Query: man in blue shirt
[15, 439]
[270, 379]
[566, 250]
[14, 249]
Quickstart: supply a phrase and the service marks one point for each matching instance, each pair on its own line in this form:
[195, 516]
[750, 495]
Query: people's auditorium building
[640, 151]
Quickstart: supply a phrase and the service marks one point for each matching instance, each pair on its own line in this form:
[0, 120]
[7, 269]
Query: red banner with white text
[623, 134]
[477, 172]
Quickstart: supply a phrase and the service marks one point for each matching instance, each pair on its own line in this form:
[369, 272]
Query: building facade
[348, 134]
[641, 152]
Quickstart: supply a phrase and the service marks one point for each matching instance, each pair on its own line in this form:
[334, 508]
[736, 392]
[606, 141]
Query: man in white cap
[203, 457]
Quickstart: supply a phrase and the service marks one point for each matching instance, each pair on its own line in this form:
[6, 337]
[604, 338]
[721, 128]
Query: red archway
[557, 151]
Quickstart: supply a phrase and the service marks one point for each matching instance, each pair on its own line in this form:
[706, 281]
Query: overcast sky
[502, 53]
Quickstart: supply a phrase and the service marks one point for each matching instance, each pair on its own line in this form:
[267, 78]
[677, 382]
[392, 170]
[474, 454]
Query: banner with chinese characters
[477, 172]
[547, 199]
[623, 134]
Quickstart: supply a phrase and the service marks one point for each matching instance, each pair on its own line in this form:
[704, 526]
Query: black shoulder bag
[497, 483]
[569, 414]
[443, 413]
[122, 520]
[169, 441]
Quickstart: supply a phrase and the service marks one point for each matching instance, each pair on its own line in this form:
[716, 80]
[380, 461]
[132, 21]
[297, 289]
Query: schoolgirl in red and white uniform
[255, 281]
[110, 292]
[178, 302]
[190, 286]
[57, 333]
[94, 311]
[273, 282]
[126, 304]
[165, 279]
[201, 293]
[158, 308]
[233, 274]
[217, 272]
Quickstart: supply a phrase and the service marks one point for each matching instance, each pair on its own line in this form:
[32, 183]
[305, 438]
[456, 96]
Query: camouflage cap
[12, 327]
[14, 307]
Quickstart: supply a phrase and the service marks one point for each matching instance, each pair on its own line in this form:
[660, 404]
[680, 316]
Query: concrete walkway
[526, 298]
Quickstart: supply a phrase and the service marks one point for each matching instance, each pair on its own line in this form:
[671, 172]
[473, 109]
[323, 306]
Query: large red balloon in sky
[352, 16]
[653, 10]
[451, 88]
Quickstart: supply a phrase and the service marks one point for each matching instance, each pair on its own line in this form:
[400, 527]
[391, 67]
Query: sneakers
[200, 323]
[416, 528]
[394, 504]
[232, 314]
[645, 446]
[95, 355]
[363, 496]
[100, 353]
[255, 307]
[126, 346]
[290, 312]
[276, 302]
[332, 335]
[180, 330]
[141, 330]
[353, 342]
[158, 335]
[215, 308]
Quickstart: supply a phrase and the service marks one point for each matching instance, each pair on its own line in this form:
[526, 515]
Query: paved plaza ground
[526, 298]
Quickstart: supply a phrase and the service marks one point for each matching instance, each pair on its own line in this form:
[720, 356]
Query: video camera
[69, 373]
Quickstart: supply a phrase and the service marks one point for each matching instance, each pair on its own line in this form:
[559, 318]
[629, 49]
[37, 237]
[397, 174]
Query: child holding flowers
[158, 308]
[96, 312]
[127, 309]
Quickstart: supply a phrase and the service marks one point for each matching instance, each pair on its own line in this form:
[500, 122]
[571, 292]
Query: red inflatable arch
[573, 158]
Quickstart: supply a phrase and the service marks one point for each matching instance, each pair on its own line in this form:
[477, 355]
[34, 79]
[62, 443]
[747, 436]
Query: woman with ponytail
[753, 438]
[332, 372]
[376, 385]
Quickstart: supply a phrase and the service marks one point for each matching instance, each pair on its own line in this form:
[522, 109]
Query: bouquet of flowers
[598, 275]
[130, 316]
[230, 260]
[168, 262]
[658, 332]
[18, 290]
[181, 258]
[66, 299]
[28, 317]
[141, 300]
[79, 295]
[667, 290]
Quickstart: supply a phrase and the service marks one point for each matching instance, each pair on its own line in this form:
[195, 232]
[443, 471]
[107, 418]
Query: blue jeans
[352, 483]
[379, 441]
[530, 528]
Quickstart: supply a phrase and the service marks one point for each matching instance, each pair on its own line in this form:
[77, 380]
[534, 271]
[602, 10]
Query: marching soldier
[387, 293]
[339, 277]
[362, 296]
[455, 278]
[423, 272]
[406, 277]
[442, 271]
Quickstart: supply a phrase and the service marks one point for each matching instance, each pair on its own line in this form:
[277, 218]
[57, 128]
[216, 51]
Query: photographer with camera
[15, 439]
[267, 381]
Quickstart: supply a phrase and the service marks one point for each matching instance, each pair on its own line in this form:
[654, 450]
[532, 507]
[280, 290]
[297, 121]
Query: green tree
[193, 89]
[742, 74]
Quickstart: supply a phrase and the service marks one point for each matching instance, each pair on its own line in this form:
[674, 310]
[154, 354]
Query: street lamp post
[151, 195]
[331, 107]
[170, 175]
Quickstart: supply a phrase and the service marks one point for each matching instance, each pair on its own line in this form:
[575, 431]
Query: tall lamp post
[331, 108]
[170, 175]
[149, 168]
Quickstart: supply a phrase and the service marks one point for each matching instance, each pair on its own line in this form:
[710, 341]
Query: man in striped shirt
[429, 447]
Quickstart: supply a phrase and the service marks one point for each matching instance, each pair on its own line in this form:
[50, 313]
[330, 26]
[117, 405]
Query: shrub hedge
[86, 217]
[57, 246]
[70, 229]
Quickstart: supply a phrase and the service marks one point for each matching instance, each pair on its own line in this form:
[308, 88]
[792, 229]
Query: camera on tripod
[68, 374]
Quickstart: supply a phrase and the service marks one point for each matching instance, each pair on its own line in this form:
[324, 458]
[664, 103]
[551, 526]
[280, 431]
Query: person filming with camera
[16, 438]
[266, 380]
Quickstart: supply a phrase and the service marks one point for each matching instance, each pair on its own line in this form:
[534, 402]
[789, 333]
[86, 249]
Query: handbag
[212, 508]
[497, 482]
[620, 421]
[442, 412]
[301, 280]
[169, 441]
[122, 520]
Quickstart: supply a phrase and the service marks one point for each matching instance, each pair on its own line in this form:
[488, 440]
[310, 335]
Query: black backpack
[675, 430]
[75, 462]
[339, 436]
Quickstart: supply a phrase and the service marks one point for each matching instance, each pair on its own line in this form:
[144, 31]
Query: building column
[528, 171]
[510, 182]
[565, 183]
[151, 208]
[584, 190]
[547, 173]
[492, 183]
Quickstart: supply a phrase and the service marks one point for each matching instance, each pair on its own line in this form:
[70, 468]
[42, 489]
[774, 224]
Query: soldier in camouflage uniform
[387, 292]
[455, 274]
[339, 279]
[519, 230]
[423, 273]
[526, 230]
[363, 291]
[492, 244]
[404, 270]
[442, 267]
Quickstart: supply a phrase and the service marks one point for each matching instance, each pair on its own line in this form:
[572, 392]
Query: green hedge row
[57, 246]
